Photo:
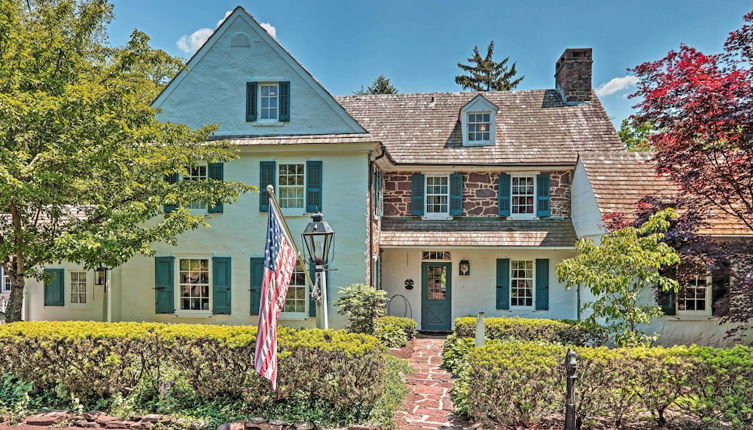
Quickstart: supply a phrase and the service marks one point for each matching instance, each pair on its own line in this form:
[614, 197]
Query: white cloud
[270, 29]
[190, 43]
[616, 85]
[227, 14]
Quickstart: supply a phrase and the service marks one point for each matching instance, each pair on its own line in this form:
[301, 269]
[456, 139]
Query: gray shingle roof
[476, 232]
[534, 127]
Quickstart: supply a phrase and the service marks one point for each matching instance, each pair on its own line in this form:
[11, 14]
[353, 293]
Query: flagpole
[273, 199]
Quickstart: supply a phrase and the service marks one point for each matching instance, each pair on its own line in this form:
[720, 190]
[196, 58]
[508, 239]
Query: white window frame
[430, 255]
[306, 295]
[86, 287]
[4, 281]
[514, 215]
[468, 128]
[184, 176]
[708, 311]
[276, 119]
[533, 285]
[177, 289]
[436, 215]
[297, 211]
[68, 287]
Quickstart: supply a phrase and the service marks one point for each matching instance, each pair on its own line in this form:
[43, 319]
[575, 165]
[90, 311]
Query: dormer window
[478, 122]
[479, 125]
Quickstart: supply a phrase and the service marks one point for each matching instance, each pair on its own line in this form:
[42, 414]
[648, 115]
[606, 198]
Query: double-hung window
[196, 173]
[523, 195]
[479, 126]
[521, 283]
[296, 299]
[7, 285]
[193, 284]
[291, 188]
[437, 195]
[268, 102]
[78, 287]
[694, 296]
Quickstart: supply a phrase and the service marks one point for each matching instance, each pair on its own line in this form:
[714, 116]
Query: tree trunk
[16, 301]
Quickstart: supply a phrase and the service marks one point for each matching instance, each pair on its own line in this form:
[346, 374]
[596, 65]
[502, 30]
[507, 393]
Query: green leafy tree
[485, 74]
[636, 135]
[381, 85]
[83, 159]
[363, 305]
[625, 263]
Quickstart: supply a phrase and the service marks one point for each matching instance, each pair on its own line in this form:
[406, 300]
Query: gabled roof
[619, 179]
[479, 100]
[534, 127]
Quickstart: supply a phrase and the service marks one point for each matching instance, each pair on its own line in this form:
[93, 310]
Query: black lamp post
[101, 275]
[319, 239]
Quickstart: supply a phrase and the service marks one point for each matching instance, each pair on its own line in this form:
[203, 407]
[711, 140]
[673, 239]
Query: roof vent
[433, 102]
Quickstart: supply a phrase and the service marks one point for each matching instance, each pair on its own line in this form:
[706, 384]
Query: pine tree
[381, 85]
[485, 74]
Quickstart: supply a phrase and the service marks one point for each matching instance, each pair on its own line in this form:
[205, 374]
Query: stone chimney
[572, 75]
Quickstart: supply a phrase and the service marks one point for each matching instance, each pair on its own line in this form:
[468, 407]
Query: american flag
[279, 262]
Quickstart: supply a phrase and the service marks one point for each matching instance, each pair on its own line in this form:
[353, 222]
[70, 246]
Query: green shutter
[216, 171]
[170, 179]
[221, 285]
[257, 273]
[54, 287]
[417, 194]
[667, 301]
[503, 204]
[164, 285]
[503, 283]
[284, 101]
[542, 284]
[314, 186]
[251, 101]
[542, 195]
[456, 194]
[267, 177]
[312, 302]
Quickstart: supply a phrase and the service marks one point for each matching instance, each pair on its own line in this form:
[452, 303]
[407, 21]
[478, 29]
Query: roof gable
[212, 88]
[479, 104]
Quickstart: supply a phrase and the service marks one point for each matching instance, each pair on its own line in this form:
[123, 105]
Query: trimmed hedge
[522, 383]
[533, 329]
[394, 332]
[96, 361]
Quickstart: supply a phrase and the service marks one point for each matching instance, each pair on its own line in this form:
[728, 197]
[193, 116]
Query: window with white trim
[435, 255]
[196, 173]
[523, 195]
[694, 296]
[296, 299]
[193, 284]
[291, 178]
[78, 286]
[268, 99]
[521, 283]
[7, 285]
[479, 125]
[437, 195]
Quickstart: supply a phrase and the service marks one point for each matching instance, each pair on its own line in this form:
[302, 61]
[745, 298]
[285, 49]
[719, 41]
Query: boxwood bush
[340, 372]
[534, 329]
[522, 383]
[394, 332]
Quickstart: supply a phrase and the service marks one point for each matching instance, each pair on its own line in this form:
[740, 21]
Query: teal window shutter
[312, 302]
[164, 285]
[257, 273]
[251, 108]
[503, 283]
[170, 179]
[542, 195]
[216, 171]
[267, 177]
[503, 194]
[54, 287]
[417, 194]
[284, 101]
[542, 284]
[221, 285]
[456, 194]
[313, 186]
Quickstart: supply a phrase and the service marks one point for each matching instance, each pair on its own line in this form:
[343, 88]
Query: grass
[395, 390]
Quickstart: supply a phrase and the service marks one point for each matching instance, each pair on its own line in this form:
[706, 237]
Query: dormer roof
[479, 104]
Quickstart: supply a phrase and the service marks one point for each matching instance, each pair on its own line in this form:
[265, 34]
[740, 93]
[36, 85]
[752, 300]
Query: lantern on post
[571, 365]
[100, 275]
[319, 239]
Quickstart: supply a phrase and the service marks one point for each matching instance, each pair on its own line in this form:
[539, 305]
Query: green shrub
[522, 383]
[455, 352]
[391, 336]
[408, 325]
[340, 372]
[533, 329]
[395, 391]
[363, 305]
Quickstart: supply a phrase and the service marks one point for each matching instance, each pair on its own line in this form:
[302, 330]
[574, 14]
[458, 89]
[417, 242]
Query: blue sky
[417, 43]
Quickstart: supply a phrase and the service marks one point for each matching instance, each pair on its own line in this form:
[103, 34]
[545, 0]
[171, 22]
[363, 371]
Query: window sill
[295, 317]
[193, 314]
[691, 317]
[436, 217]
[295, 212]
[269, 124]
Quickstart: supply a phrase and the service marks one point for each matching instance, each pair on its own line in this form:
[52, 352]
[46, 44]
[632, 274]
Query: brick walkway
[428, 404]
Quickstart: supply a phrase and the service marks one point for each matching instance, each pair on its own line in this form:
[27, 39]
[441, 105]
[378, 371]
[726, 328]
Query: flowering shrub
[522, 383]
[537, 329]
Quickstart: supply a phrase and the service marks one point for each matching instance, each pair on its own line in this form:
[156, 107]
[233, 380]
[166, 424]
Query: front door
[436, 294]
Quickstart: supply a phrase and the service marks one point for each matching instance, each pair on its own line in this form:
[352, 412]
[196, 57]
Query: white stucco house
[453, 203]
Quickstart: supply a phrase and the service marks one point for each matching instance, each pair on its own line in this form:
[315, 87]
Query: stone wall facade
[479, 193]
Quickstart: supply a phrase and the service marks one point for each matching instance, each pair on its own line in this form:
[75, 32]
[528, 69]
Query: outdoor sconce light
[100, 275]
[318, 238]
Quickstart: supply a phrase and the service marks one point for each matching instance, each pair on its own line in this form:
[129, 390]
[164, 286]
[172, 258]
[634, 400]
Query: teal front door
[436, 296]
